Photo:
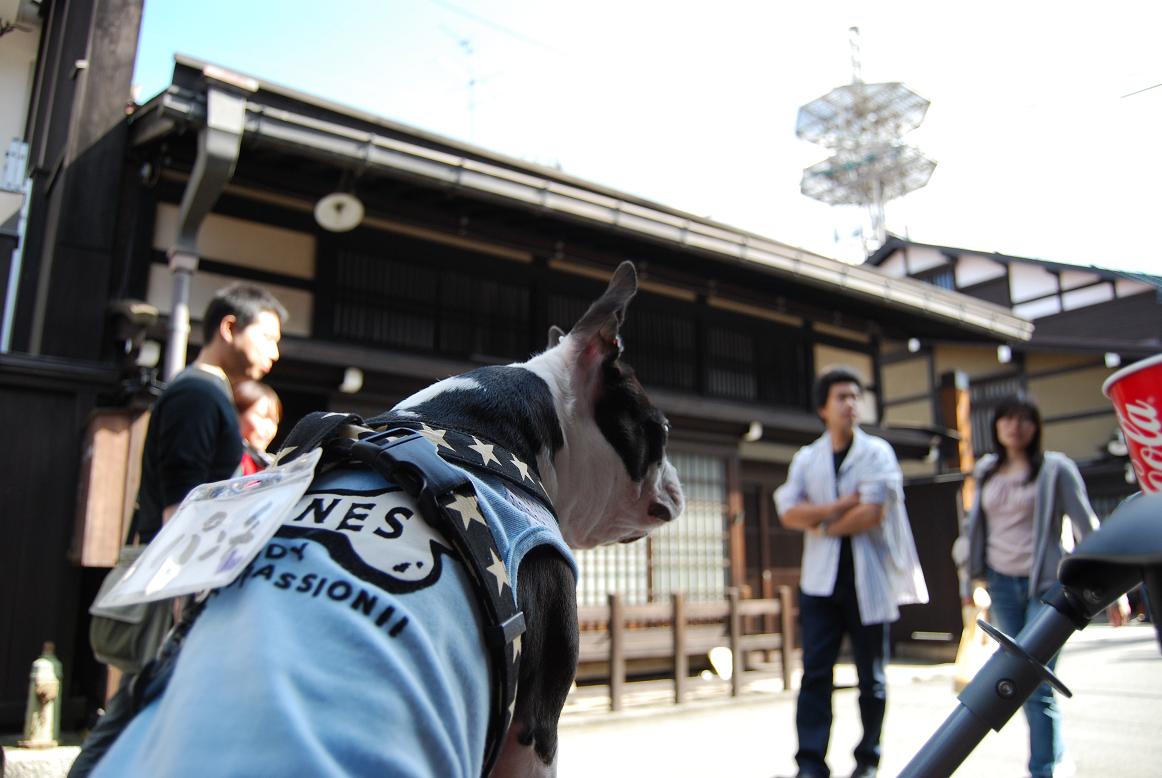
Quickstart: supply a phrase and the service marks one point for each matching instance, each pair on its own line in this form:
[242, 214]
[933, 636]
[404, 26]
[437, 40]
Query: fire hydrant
[42, 717]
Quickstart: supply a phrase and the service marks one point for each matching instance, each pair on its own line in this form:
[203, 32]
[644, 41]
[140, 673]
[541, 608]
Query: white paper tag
[214, 534]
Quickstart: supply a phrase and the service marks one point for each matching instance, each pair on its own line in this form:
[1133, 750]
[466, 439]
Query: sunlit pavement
[1111, 724]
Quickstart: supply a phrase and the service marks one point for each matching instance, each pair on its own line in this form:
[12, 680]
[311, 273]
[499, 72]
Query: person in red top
[259, 414]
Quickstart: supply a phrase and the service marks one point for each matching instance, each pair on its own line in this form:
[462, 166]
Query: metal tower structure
[863, 125]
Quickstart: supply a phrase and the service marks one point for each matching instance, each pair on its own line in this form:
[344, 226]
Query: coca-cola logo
[1143, 429]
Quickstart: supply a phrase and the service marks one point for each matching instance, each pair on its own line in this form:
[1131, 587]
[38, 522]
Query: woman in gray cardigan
[1014, 545]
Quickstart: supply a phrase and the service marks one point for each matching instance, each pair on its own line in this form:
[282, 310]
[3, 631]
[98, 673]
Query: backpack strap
[447, 501]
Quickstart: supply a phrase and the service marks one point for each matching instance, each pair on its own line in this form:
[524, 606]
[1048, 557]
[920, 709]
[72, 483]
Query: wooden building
[1089, 321]
[464, 257]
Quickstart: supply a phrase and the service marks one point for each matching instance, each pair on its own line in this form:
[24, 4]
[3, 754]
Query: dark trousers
[824, 621]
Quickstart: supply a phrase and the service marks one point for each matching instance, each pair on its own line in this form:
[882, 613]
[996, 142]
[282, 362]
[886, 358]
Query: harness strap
[481, 456]
[415, 459]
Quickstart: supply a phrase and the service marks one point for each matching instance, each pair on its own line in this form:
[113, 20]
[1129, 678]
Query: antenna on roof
[863, 125]
[853, 39]
[470, 53]
[468, 71]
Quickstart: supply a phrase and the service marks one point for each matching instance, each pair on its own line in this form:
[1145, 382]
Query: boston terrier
[353, 644]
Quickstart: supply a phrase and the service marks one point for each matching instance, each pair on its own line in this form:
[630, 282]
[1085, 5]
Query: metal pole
[15, 268]
[183, 264]
[999, 689]
[949, 746]
[1015, 671]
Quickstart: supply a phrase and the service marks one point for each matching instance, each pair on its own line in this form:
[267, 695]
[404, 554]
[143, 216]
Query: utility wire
[495, 25]
[1140, 91]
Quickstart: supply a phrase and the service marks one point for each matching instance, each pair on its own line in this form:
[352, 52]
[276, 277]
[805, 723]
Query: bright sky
[1045, 118]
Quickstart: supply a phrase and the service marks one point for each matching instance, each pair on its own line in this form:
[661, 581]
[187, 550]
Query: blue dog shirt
[349, 646]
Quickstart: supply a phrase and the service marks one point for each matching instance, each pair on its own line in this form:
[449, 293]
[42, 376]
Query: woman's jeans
[1011, 609]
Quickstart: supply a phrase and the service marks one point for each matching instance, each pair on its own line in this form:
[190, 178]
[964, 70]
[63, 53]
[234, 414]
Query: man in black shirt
[193, 436]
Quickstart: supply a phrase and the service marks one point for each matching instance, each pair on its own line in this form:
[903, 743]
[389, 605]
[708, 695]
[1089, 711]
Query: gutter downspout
[14, 269]
[218, 145]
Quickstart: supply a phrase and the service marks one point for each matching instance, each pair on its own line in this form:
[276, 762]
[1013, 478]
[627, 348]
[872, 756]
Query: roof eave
[468, 170]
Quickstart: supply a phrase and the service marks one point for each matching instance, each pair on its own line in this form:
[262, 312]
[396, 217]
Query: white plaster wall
[974, 269]
[917, 412]
[246, 244]
[298, 302]
[827, 357]
[905, 379]
[1071, 279]
[1125, 287]
[10, 207]
[973, 360]
[17, 61]
[1091, 295]
[1079, 438]
[1029, 281]
[240, 242]
[922, 258]
[912, 467]
[894, 266]
[1045, 307]
[1065, 393]
[1040, 361]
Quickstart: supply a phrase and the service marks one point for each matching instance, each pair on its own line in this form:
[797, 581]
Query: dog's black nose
[660, 512]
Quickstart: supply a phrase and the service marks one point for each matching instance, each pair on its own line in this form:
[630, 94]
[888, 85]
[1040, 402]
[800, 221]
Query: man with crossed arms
[845, 492]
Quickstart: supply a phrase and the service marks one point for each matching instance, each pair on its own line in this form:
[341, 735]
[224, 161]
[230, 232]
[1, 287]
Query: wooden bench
[677, 630]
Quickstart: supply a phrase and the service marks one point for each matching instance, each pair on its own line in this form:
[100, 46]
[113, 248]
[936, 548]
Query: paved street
[1111, 724]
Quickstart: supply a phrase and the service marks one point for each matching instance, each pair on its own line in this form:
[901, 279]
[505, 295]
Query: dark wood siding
[935, 525]
[994, 291]
[42, 411]
[1134, 318]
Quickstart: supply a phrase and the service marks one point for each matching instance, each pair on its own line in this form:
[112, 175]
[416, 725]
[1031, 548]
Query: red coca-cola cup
[1136, 392]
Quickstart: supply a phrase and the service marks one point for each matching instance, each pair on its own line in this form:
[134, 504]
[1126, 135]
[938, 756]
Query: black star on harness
[413, 454]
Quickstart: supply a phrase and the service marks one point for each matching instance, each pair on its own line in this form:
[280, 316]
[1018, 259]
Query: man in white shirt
[845, 491]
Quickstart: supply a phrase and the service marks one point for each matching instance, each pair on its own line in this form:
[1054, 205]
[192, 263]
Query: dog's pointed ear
[555, 335]
[597, 332]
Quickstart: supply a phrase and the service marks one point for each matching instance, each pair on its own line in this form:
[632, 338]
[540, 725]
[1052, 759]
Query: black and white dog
[352, 644]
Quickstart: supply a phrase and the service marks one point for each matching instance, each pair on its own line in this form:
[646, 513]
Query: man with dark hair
[193, 438]
[845, 491]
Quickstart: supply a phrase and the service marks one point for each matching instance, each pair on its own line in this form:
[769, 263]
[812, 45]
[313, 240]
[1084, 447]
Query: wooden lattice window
[662, 346]
[690, 555]
[731, 370]
[409, 305]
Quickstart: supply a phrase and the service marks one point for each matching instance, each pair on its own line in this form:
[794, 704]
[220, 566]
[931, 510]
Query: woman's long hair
[1016, 405]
